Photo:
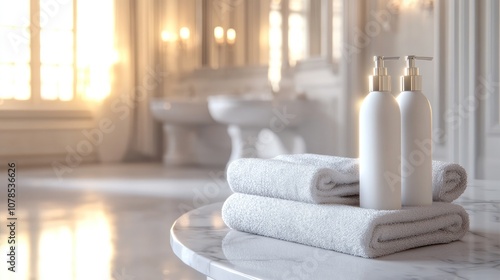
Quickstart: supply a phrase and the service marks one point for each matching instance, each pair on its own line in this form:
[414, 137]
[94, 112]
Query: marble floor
[107, 222]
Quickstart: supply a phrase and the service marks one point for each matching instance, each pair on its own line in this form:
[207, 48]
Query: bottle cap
[380, 81]
[412, 80]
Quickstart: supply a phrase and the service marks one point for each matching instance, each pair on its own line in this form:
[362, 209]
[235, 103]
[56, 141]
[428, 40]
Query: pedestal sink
[186, 124]
[246, 116]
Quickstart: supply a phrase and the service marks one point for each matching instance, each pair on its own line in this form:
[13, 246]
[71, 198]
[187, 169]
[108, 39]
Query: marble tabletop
[201, 240]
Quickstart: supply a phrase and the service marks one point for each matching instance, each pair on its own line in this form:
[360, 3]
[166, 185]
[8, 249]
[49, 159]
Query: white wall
[400, 32]
[44, 138]
[462, 81]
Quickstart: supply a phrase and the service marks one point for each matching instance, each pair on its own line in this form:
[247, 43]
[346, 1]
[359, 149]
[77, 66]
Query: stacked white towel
[344, 228]
[449, 181]
[324, 179]
[293, 180]
[308, 199]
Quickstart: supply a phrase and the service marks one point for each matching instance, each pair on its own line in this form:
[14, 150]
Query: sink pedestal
[243, 141]
[191, 136]
[180, 144]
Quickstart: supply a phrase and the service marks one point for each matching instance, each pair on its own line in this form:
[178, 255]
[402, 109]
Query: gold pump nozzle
[412, 80]
[380, 81]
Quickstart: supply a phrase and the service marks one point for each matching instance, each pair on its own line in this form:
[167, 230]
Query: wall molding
[40, 137]
[45, 159]
[492, 52]
[45, 114]
[461, 82]
[353, 89]
[440, 60]
[36, 120]
[472, 118]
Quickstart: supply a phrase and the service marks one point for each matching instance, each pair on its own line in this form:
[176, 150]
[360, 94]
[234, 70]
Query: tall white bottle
[416, 141]
[380, 143]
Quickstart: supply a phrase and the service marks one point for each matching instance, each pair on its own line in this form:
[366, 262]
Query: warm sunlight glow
[297, 31]
[167, 36]
[82, 248]
[59, 70]
[275, 52]
[22, 256]
[57, 55]
[115, 56]
[359, 102]
[15, 54]
[297, 37]
[93, 234]
[95, 48]
[56, 242]
[408, 4]
[184, 33]
[231, 36]
[219, 34]
[337, 27]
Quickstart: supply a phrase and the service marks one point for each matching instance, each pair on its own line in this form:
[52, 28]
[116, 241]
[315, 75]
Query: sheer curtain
[136, 79]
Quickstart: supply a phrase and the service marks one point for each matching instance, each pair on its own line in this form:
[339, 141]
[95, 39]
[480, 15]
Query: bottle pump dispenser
[416, 137]
[380, 143]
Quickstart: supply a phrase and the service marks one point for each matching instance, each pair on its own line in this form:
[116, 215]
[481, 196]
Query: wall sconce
[183, 37]
[231, 36]
[426, 5]
[222, 39]
[181, 40]
[219, 35]
[168, 36]
[184, 33]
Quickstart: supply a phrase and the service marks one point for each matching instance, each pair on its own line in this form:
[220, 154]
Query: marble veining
[202, 241]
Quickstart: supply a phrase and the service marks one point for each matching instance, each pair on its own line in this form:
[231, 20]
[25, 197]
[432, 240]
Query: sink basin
[191, 135]
[247, 116]
[181, 111]
[257, 111]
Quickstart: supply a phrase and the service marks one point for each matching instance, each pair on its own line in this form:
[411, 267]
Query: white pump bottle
[416, 141]
[380, 143]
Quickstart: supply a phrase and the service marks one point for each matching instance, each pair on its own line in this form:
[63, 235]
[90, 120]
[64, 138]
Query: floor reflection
[83, 234]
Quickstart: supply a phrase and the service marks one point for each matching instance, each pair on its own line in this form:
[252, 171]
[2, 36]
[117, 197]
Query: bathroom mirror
[219, 34]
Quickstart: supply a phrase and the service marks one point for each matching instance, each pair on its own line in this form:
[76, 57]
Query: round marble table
[201, 240]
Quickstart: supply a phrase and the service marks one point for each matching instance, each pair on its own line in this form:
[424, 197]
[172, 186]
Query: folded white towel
[325, 179]
[293, 181]
[344, 228]
[347, 168]
[449, 181]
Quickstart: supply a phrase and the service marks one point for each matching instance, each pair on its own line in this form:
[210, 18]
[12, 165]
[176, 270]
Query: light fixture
[177, 43]
[426, 5]
[219, 35]
[184, 33]
[167, 36]
[231, 36]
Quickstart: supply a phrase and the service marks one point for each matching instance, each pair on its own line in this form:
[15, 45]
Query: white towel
[348, 168]
[348, 229]
[449, 181]
[293, 181]
[325, 179]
